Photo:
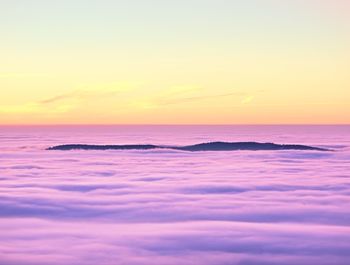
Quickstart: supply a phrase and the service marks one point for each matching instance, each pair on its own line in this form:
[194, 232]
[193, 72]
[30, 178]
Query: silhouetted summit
[226, 146]
[212, 146]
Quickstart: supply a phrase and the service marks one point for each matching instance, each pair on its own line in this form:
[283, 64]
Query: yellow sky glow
[288, 66]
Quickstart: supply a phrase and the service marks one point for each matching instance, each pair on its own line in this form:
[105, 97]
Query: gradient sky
[174, 62]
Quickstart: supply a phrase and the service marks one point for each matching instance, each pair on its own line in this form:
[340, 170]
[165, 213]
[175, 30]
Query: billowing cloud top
[174, 207]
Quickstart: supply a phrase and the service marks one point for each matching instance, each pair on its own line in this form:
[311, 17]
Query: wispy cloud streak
[170, 101]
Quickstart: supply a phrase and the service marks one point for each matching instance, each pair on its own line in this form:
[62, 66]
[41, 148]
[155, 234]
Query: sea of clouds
[172, 207]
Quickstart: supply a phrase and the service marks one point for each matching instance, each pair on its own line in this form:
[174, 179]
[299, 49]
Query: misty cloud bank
[172, 207]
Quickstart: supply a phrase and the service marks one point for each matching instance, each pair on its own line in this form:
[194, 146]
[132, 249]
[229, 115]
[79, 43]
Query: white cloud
[169, 207]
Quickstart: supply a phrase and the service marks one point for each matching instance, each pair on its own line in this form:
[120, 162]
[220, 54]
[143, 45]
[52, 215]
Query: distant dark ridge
[254, 146]
[213, 146]
[103, 147]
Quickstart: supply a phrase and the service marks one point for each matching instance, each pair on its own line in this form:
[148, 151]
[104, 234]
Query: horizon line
[176, 124]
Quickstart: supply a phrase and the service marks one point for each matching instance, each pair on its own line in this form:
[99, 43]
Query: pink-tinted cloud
[173, 207]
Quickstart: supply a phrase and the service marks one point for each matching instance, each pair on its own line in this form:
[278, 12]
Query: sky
[174, 62]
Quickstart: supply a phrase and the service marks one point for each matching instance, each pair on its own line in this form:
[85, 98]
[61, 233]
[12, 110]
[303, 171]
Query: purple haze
[173, 207]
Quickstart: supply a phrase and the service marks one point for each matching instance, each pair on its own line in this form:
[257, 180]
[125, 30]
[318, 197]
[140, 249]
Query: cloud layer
[172, 207]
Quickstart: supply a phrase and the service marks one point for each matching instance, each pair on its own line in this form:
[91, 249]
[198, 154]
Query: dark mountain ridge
[211, 146]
